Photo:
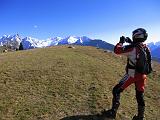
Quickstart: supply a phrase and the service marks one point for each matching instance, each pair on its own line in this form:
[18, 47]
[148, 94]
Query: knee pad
[140, 98]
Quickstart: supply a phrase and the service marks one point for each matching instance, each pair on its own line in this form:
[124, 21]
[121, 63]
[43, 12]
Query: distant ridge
[30, 43]
[155, 50]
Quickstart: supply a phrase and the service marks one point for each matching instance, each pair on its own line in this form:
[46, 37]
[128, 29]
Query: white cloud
[35, 26]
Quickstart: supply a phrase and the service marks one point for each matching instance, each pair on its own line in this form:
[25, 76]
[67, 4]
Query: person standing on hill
[138, 66]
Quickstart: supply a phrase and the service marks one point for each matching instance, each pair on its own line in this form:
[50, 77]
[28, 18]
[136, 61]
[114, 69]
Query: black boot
[115, 103]
[109, 113]
[112, 112]
[140, 115]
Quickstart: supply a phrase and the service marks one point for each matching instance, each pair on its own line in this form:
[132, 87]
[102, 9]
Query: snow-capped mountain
[74, 40]
[155, 50]
[9, 40]
[69, 40]
[153, 45]
[54, 41]
[30, 43]
[13, 42]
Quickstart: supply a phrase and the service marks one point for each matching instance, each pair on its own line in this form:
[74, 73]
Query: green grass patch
[56, 82]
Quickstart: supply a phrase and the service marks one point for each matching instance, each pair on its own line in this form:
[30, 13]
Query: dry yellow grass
[57, 82]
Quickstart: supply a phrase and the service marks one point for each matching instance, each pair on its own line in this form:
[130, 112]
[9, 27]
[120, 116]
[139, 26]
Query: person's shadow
[85, 117]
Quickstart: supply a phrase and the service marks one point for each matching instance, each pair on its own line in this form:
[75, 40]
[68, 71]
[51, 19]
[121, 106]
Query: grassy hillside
[59, 82]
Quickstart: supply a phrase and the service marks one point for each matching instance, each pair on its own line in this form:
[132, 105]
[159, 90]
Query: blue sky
[101, 19]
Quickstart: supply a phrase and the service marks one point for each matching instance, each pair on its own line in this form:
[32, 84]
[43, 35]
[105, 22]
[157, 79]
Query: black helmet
[139, 35]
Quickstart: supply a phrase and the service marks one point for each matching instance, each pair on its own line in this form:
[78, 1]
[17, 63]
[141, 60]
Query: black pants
[116, 96]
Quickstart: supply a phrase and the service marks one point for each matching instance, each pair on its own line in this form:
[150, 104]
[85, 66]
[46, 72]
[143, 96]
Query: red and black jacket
[131, 52]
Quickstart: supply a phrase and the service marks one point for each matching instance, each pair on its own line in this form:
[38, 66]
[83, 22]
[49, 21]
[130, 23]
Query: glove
[122, 39]
[128, 40]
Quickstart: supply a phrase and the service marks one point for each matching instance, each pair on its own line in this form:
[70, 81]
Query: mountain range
[155, 50]
[30, 43]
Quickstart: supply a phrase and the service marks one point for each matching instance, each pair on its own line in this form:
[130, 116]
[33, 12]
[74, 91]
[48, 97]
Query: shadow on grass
[85, 117]
[81, 117]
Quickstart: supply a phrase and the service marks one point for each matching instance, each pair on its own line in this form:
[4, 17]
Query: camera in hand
[128, 40]
[125, 39]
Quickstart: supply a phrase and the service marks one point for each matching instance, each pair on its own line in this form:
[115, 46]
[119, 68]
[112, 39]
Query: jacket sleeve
[149, 57]
[125, 50]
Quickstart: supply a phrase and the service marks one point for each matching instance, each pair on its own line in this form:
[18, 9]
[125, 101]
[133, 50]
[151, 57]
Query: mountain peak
[5, 36]
[29, 42]
[10, 40]
[58, 38]
[72, 39]
[29, 38]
